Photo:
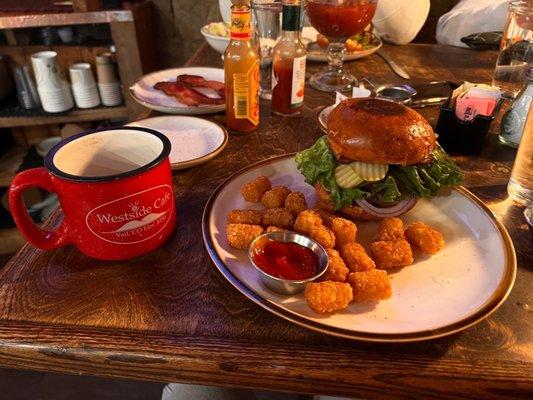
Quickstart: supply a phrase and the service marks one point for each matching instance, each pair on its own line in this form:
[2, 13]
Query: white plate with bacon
[188, 91]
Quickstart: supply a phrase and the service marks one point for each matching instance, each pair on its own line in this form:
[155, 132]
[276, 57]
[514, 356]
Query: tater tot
[251, 217]
[254, 190]
[241, 236]
[279, 217]
[355, 257]
[274, 229]
[390, 228]
[309, 223]
[324, 236]
[427, 239]
[306, 221]
[275, 197]
[344, 231]
[391, 253]
[370, 285]
[295, 203]
[324, 297]
[337, 270]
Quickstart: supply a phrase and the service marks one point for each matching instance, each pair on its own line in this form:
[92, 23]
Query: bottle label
[241, 24]
[246, 94]
[298, 82]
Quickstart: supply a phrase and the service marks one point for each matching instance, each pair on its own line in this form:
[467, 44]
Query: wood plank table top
[170, 316]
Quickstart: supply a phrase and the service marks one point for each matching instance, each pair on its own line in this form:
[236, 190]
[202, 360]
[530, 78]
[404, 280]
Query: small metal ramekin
[289, 286]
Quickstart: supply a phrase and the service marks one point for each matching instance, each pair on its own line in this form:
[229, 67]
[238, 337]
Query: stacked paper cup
[53, 90]
[83, 85]
[108, 83]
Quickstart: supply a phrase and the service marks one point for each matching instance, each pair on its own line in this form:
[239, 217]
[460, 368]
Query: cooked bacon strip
[198, 81]
[185, 94]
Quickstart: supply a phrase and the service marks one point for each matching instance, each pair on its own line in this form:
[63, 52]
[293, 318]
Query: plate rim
[205, 109]
[490, 306]
[322, 127]
[198, 160]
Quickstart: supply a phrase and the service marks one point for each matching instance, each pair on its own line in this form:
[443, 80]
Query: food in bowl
[217, 35]
[377, 159]
[221, 29]
[287, 261]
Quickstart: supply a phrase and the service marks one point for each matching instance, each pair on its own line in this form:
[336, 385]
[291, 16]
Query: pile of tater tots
[352, 274]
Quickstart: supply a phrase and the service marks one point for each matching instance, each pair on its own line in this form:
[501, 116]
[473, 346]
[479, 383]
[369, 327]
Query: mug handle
[43, 239]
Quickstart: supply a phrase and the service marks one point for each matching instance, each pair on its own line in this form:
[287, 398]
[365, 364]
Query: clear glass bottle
[241, 73]
[288, 63]
[514, 120]
[520, 186]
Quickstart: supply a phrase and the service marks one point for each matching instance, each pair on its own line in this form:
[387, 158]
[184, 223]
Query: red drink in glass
[340, 21]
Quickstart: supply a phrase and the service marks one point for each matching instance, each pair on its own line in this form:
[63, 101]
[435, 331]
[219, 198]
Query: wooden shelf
[75, 115]
[14, 20]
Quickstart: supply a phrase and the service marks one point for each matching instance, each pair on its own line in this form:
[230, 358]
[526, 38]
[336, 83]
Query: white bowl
[218, 43]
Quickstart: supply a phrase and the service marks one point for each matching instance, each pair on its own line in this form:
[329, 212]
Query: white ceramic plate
[434, 297]
[194, 140]
[318, 54]
[143, 91]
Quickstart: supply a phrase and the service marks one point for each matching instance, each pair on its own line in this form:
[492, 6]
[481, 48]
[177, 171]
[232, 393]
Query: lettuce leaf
[317, 165]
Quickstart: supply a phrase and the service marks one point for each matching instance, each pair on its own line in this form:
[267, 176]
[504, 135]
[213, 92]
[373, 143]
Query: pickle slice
[346, 177]
[370, 172]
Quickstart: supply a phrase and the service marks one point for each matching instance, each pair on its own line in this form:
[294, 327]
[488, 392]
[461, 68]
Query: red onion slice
[393, 211]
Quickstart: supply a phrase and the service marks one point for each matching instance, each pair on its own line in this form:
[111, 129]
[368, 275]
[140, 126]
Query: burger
[377, 159]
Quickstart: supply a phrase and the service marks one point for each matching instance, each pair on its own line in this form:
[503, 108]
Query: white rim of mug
[52, 168]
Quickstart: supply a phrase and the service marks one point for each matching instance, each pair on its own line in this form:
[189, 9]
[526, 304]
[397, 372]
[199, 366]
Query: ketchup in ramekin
[285, 260]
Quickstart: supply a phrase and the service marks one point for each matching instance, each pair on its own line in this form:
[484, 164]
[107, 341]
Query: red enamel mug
[115, 189]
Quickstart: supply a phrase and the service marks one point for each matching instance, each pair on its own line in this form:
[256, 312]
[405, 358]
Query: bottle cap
[291, 17]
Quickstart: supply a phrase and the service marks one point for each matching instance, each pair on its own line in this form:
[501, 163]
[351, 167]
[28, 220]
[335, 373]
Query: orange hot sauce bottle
[288, 64]
[241, 73]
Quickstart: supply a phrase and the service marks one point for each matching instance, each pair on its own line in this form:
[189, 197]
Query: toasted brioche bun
[354, 212]
[379, 132]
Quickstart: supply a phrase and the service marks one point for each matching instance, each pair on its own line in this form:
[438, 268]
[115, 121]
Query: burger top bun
[379, 132]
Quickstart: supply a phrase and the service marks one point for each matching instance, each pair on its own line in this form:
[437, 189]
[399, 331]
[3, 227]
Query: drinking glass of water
[516, 48]
[520, 186]
[267, 22]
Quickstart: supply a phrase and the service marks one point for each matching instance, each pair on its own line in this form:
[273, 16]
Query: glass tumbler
[267, 24]
[520, 186]
[516, 48]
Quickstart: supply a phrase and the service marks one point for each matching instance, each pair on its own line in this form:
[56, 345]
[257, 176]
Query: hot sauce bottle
[288, 64]
[241, 73]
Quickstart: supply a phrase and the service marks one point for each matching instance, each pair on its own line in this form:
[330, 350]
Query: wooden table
[171, 316]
